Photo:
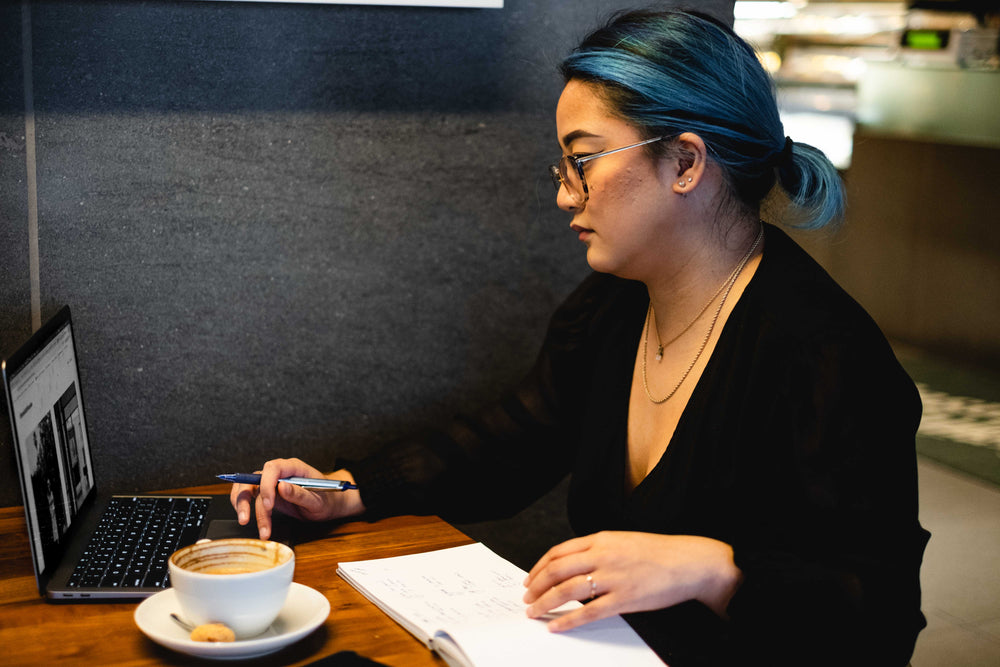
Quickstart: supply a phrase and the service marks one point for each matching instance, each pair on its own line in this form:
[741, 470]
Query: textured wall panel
[284, 229]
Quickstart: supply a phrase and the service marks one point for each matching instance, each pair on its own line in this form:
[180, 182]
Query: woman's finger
[298, 501]
[263, 519]
[562, 550]
[582, 586]
[557, 574]
[600, 607]
[267, 491]
[241, 496]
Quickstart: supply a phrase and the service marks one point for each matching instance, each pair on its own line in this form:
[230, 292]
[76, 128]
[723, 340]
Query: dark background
[286, 229]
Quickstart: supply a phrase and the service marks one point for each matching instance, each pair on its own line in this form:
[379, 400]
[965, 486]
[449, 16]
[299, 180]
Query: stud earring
[690, 179]
[680, 183]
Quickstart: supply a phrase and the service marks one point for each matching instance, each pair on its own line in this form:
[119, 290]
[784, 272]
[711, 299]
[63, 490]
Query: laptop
[85, 545]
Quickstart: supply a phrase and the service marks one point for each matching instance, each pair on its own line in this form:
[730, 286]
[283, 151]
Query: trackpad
[223, 528]
[281, 529]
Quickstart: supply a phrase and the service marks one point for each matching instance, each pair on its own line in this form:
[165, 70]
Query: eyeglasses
[568, 171]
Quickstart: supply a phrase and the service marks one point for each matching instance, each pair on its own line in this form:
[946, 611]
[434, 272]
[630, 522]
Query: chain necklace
[651, 317]
[650, 314]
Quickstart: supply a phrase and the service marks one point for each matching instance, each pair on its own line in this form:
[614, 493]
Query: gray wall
[283, 229]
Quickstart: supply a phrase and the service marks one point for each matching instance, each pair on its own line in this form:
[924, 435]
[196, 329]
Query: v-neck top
[796, 448]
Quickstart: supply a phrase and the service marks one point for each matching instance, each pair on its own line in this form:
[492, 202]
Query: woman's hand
[307, 504]
[629, 572]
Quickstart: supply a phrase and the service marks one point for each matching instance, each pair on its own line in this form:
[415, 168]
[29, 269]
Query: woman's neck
[690, 286]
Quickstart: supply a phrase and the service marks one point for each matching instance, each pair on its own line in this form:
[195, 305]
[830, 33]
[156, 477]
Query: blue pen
[304, 482]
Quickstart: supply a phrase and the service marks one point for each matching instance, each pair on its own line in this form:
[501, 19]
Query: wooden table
[36, 632]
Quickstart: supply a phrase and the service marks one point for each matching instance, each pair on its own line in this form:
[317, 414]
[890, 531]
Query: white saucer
[304, 611]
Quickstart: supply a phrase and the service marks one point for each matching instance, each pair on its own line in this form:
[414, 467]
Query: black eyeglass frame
[558, 171]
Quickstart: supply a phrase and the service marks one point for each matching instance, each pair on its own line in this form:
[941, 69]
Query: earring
[690, 179]
[680, 183]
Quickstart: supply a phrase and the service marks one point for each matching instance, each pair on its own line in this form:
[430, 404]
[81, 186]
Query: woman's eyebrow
[570, 137]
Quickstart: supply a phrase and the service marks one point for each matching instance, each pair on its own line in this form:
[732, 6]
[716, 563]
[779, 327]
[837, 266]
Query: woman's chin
[600, 262]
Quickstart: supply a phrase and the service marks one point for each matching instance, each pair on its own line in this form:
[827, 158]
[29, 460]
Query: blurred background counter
[905, 99]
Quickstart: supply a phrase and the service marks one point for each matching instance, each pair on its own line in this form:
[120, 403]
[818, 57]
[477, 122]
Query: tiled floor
[959, 468]
[961, 571]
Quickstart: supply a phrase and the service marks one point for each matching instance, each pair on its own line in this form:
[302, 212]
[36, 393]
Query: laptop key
[135, 539]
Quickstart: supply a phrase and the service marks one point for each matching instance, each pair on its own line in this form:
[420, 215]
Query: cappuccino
[242, 583]
[234, 569]
[233, 556]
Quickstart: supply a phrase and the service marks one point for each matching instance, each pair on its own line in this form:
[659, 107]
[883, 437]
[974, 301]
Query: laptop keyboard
[134, 540]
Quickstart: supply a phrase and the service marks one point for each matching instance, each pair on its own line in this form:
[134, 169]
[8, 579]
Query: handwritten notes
[465, 603]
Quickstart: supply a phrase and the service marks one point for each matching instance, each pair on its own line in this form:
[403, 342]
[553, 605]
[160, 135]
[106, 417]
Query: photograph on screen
[53, 451]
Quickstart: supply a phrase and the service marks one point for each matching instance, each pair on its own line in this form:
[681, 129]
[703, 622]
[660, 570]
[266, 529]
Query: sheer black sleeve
[831, 570]
[494, 463]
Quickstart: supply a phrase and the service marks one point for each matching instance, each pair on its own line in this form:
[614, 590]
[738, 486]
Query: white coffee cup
[240, 582]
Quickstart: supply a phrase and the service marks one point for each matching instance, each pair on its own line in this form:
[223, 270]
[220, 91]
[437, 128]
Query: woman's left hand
[628, 572]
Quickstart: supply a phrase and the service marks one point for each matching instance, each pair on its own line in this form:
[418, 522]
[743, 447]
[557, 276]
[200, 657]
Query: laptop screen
[50, 437]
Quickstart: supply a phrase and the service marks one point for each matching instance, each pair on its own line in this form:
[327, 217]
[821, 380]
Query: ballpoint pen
[304, 482]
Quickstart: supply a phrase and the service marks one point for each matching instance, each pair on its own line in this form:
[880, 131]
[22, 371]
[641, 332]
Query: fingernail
[243, 516]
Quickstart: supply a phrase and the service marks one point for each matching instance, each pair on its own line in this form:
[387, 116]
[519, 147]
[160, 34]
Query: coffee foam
[230, 557]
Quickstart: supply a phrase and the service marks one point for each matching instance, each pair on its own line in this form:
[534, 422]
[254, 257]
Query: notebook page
[471, 597]
[439, 589]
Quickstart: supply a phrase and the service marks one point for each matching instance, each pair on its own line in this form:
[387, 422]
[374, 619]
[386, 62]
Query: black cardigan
[796, 448]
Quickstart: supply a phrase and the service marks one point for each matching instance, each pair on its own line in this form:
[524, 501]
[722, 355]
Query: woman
[739, 434]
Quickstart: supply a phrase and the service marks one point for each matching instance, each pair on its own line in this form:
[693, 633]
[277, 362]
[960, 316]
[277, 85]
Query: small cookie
[213, 632]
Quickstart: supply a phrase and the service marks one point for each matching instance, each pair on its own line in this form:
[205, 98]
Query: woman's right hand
[306, 504]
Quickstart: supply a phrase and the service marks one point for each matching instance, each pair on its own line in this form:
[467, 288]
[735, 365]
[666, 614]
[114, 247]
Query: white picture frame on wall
[470, 4]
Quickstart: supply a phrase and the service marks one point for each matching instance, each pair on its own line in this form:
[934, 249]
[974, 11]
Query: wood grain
[34, 631]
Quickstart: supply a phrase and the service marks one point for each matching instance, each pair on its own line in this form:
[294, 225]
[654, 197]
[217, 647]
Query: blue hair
[672, 72]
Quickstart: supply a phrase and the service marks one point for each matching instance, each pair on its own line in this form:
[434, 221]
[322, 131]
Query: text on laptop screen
[51, 435]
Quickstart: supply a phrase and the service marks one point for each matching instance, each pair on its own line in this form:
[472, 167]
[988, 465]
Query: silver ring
[593, 586]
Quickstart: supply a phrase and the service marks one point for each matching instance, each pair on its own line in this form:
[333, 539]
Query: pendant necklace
[651, 320]
[652, 315]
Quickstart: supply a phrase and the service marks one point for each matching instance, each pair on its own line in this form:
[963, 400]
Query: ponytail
[812, 186]
[672, 72]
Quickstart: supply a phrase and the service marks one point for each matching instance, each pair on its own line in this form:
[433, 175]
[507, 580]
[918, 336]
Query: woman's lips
[582, 232]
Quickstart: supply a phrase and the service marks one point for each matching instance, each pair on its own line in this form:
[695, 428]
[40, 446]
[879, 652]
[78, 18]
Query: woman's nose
[566, 201]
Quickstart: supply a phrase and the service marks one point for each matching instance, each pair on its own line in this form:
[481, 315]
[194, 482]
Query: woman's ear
[692, 158]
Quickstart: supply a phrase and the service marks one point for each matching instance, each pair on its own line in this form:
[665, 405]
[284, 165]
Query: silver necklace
[650, 317]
